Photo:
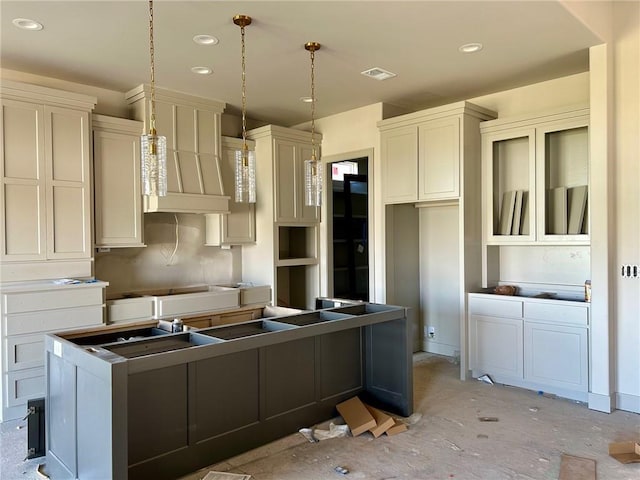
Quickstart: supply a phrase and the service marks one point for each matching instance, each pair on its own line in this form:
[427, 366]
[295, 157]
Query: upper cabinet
[239, 225]
[117, 190]
[536, 179]
[192, 127]
[287, 151]
[45, 182]
[423, 151]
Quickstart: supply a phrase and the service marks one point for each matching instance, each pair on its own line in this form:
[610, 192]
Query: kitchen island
[144, 403]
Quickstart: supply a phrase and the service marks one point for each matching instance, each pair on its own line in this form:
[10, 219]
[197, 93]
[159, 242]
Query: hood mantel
[192, 127]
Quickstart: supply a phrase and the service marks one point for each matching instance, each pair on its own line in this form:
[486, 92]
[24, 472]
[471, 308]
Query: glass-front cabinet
[536, 179]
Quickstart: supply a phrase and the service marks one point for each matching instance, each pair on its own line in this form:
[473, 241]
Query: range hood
[192, 127]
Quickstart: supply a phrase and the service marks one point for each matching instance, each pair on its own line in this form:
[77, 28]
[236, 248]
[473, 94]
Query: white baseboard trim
[430, 346]
[629, 403]
[602, 403]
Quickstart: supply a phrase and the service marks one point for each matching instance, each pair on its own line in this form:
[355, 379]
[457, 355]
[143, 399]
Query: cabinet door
[68, 183]
[118, 208]
[556, 355]
[400, 165]
[496, 345]
[22, 182]
[509, 186]
[439, 159]
[562, 168]
[286, 181]
[238, 226]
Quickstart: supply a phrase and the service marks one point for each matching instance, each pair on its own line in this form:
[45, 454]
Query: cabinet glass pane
[566, 181]
[511, 186]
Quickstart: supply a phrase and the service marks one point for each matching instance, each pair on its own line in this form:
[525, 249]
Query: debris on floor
[226, 476]
[361, 417]
[625, 452]
[533, 409]
[577, 468]
[341, 470]
[489, 419]
[356, 415]
[486, 379]
[40, 471]
[316, 434]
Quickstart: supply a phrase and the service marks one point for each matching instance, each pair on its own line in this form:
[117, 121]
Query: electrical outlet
[630, 271]
[431, 332]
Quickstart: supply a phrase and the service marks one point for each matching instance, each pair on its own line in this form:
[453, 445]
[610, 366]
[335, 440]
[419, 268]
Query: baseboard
[602, 403]
[629, 403]
[430, 346]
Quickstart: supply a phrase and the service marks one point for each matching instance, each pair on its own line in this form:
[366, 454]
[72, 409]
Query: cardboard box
[356, 415]
[383, 421]
[625, 452]
[398, 427]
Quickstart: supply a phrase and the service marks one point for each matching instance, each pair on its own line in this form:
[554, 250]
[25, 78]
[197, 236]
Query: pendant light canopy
[153, 146]
[245, 178]
[313, 166]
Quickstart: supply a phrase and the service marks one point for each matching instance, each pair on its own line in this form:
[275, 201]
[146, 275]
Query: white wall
[627, 202]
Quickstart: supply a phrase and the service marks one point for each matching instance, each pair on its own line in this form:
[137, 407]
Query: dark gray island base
[143, 403]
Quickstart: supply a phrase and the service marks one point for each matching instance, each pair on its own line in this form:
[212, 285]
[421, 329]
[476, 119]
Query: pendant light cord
[313, 104]
[244, 96]
[152, 120]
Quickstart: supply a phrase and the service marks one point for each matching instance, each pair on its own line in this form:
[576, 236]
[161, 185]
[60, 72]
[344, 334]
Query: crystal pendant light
[313, 166]
[245, 178]
[153, 146]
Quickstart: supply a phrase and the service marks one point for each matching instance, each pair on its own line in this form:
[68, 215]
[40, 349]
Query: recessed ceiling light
[306, 99]
[378, 73]
[202, 70]
[205, 40]
[27, 24]
[470, 47]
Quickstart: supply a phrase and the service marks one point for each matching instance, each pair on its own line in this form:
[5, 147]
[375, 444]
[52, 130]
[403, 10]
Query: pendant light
[245, 178]
[313, 166]
[153, 146]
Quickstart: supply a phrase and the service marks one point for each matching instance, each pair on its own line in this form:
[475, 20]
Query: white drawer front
[128, 310]
[555, 313]
[495, 307]
[24, 385]
[20, 302]
[53, 320]
[25, 351]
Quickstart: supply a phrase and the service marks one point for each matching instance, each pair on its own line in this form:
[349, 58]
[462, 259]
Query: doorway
[349, 218]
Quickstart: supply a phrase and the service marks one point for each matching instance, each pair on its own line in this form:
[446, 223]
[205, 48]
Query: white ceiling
[105, 44]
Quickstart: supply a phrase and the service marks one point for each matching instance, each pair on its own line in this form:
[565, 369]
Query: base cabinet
[497, 345]
[28, 312]
[531, 343]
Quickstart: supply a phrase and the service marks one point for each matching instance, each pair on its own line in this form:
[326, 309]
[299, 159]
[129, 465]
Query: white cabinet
[534, 343]
[238, 227]
[28, 311]
[422, 153]
[192, 128]
[45, 182]
[287, 239]
[536, 179]
[117, 190]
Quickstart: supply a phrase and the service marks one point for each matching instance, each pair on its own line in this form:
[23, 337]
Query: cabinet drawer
[24, 385]
[555, 313]
[52, 299]
[25, 351]
[496, 307]
[51, 320]
[234, 318]
[130, 309]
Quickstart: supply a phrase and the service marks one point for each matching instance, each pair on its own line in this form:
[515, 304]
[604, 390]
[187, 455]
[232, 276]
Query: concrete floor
[445, 439]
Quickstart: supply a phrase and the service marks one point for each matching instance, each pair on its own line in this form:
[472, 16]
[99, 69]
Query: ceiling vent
[378, 73]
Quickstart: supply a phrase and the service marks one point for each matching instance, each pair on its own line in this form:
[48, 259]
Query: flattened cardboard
[383, 421]
[398, 427]
[625, 452]
[356, 415]
[577, 468]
